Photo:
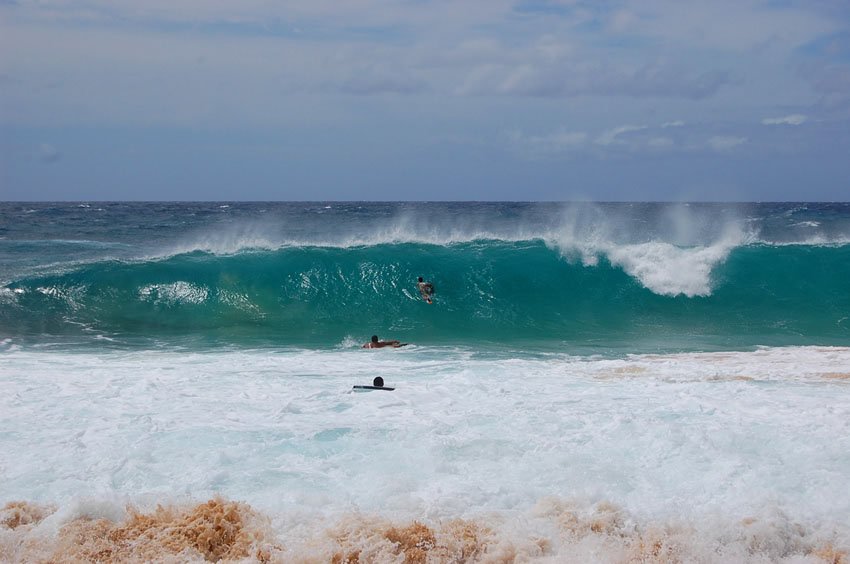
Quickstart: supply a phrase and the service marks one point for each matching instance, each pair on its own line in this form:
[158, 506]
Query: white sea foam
[71, 295]
[811, 241]
[726, 456]
[238, 300]
[9, 296]
[174, 293]
[660, 266]
[731, 431]
[668, 270]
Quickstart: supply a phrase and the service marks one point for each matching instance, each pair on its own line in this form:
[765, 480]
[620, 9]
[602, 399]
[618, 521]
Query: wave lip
[670, 271]
[227, 245]
[661, 267]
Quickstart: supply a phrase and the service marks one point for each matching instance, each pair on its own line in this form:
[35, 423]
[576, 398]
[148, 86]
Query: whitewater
[594, 382]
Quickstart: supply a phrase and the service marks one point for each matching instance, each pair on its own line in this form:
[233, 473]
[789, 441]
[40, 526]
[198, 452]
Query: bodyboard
[370, 388]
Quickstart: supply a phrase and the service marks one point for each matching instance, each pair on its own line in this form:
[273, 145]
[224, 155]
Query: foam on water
[176, 292]
[681, 265]
[693, 457]
[668, 270]
[554, 530]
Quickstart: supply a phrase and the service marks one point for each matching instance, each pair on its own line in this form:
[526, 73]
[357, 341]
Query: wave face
[485, 291]
[651, 277]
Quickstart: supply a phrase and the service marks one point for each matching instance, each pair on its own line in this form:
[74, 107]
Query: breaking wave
[486, 289]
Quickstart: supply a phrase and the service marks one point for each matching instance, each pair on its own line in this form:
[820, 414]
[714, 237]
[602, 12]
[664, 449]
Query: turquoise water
[486, 291]
[582, 278]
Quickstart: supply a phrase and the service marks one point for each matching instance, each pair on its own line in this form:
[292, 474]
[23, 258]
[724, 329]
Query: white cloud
[734, 26]
[521, 71]
[793, 119]
[725, 143]
[609, 136]
[119, 59]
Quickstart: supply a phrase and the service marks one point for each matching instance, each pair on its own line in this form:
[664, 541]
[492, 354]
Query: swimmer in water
[376, 344]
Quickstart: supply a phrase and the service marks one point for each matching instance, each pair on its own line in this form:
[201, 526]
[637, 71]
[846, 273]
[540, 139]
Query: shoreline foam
[554, 530]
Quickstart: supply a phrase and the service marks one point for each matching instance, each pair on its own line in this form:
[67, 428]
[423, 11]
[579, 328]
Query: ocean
[607, 382]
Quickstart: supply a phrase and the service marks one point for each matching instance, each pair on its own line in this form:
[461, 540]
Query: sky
[606, 100]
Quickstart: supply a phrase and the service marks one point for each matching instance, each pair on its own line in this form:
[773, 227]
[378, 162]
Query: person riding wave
[426, 289]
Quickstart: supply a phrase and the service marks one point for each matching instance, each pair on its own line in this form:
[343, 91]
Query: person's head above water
[420, 279]
[374, 338]
[378, 382]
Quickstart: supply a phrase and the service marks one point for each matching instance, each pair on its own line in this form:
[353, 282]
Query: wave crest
[670, 271]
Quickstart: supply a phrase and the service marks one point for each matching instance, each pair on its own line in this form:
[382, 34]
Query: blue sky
[424, 100]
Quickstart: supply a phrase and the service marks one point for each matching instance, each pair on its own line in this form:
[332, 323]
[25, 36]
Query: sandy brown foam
[360, 539]
[731, 378]
[564, 531]
[17, 513]
[836, 375]
[214, 531]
